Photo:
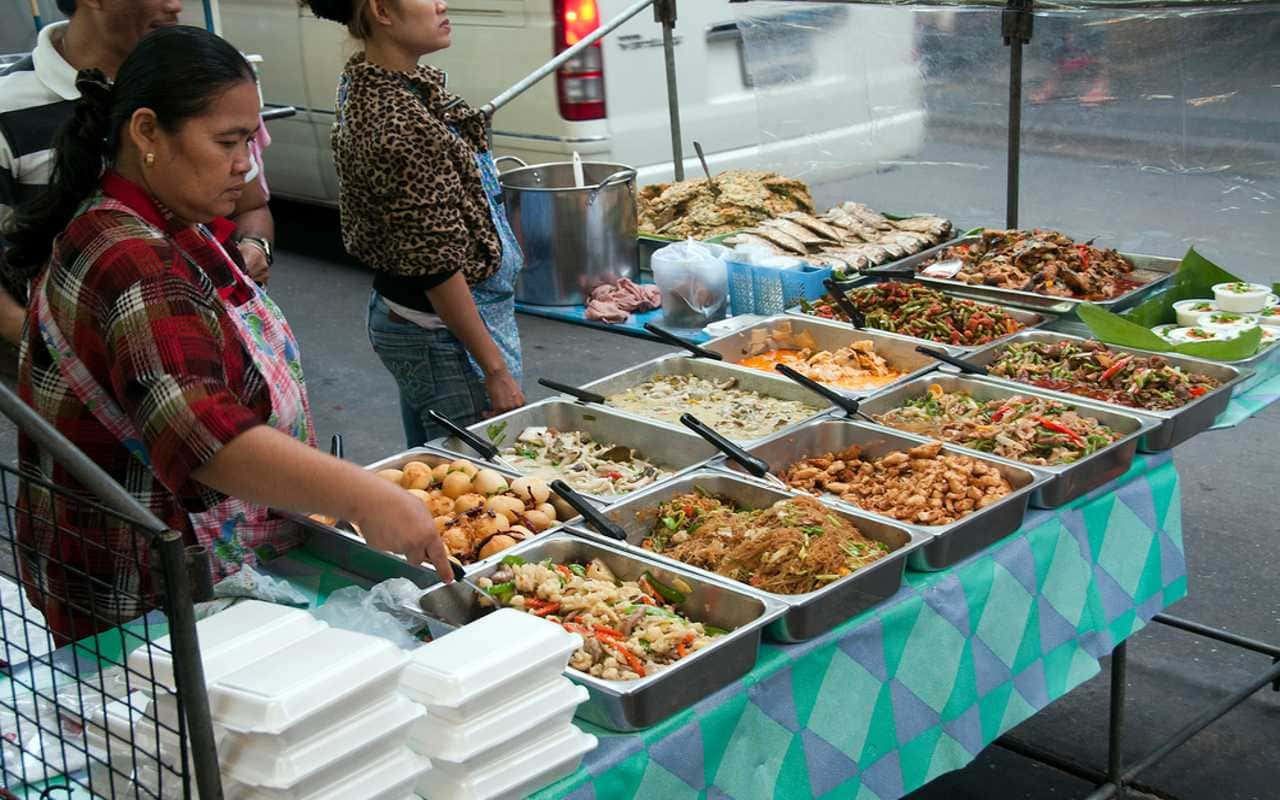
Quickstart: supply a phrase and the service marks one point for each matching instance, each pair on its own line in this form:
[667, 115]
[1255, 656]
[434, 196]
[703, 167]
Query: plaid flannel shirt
[154, 333]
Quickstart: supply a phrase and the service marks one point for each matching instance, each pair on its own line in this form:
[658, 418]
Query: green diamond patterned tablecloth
[892, 699]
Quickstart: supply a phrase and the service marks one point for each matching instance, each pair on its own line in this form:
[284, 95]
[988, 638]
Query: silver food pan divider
[753, 380]
[1177, 425]
[898, 352]
[1069, 481]
[1159, 268]
[432, 457]
[1030, 320]
[668, 448]
[808, 615]
[948, 543]
[632, 705]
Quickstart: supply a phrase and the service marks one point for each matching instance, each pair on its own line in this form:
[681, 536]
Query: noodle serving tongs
[848, 405]
[590, 514]
[487, 450]
[856, 318]
[755, 467]
[946, 358]
[670, 338]
[572, 391]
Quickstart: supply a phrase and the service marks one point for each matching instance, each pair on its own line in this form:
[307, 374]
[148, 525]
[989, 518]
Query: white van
[838, 88]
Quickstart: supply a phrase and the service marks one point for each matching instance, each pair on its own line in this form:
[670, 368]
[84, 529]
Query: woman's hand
[503, 391]
[397, 522]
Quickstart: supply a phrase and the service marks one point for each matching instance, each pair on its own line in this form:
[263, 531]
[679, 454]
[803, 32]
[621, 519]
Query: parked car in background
[610, 103]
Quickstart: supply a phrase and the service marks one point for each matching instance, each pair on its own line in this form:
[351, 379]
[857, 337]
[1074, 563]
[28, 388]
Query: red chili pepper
[563, 570]
[1116, 367]
[1057, 427]
[614, 476]
[1196, 391]
[1083, 250]
[1000, 412]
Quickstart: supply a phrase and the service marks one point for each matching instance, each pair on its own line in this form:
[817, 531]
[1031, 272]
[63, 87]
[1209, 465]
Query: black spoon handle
[670, 338]
[895, 273]
[572, 391]
[959, 363]
[486, 449]
[757, 467]
[590, 513]
[847, 404]
[335, 446]
[856, 318]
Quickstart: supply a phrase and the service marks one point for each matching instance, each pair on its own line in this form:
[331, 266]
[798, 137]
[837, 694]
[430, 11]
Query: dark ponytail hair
[177, 72]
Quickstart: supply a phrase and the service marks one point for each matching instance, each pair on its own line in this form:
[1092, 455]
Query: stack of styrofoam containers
[499, 720]
[302, 711]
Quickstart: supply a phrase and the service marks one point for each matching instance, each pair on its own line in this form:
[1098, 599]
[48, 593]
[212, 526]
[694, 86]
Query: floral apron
[233, 530]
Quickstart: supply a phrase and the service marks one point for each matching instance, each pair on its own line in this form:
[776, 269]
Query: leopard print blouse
[410, 195]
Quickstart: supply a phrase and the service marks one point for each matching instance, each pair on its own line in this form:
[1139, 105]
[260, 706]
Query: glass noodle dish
[589, 466]
[795, 546]
[740, 414]
[1033, 430]
[854, 366]
[629, 628]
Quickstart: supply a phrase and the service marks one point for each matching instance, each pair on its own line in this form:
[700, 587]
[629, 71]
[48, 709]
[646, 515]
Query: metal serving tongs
[702, 159]
[487, 450]
[966, 367]
[670, 338]
[590, 514]
[573, 391]
[856, 318]
[756, 467]
[848, 405]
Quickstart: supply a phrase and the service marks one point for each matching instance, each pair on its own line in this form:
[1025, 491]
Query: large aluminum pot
[574, 239]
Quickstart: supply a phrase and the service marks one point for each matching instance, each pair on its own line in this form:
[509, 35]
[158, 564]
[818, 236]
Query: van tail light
[580, 81]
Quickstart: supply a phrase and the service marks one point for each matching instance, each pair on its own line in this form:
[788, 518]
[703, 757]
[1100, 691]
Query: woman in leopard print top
[421, 206]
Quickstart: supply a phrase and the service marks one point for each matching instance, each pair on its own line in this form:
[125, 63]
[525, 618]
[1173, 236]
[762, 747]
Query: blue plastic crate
[767, 290]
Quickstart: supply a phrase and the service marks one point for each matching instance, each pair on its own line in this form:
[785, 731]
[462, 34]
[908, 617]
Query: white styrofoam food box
[327, 757]
[391, 777]
[518, 774]
[319, 680]
[542, 712]
[486, 663]
[231, 640]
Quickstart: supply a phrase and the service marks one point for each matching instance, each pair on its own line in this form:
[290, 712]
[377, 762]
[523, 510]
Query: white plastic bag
[694, 280]
[26, 635]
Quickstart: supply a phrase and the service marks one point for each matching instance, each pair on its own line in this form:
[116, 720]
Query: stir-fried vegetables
[740, 414]
[913, 309]
[1090, 369]
[1032, 430]
[585, 464]
[795, 546]
[629, 628]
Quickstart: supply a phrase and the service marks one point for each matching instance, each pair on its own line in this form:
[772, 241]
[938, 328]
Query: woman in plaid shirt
[150, 349]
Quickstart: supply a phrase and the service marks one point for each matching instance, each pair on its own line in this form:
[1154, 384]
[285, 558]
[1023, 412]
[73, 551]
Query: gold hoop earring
[149, 159]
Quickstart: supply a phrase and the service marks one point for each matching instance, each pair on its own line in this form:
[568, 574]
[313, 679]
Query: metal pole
[551, 66]
[188, 669]
[1189, 730]
[1016, 27]
[664, 11]
[89, 474]
[1115, 728]
[1218, 634]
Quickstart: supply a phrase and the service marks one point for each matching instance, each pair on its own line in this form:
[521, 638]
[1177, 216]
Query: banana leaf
[1115, 329]
[1194, 280]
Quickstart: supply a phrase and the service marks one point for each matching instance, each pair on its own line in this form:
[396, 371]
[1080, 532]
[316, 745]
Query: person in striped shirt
[38, 95]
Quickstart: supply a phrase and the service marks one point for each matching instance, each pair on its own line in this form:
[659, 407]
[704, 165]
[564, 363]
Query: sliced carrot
[682, 649]
[601, 630]
[637, 666]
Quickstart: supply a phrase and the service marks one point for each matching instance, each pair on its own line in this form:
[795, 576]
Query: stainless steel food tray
[1029, 319]
[948, 543]
[753, 380]
[1177, 425]
[430, 456]
[1069, 480]
[808, 615]
[898, 351]
[632, 705]
[1160, 267]
[674, 449]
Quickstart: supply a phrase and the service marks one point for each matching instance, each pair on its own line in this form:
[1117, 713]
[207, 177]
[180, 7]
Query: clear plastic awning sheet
[1147, 128]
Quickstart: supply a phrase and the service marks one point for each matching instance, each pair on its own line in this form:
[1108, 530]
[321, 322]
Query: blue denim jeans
[431, 371]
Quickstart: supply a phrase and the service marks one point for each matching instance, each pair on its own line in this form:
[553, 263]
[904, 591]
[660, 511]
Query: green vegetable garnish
[513, 561]
[496, 432]
[671, 595]
[503, 592]
[578, 569]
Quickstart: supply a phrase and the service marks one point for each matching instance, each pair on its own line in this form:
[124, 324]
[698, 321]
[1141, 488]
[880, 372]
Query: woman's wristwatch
[262, 244]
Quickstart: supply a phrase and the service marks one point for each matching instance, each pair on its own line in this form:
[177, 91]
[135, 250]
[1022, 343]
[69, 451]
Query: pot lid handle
[497, 161]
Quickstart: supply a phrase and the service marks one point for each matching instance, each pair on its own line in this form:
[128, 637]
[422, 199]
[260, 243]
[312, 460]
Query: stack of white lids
[303, 710]
[499, 720]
